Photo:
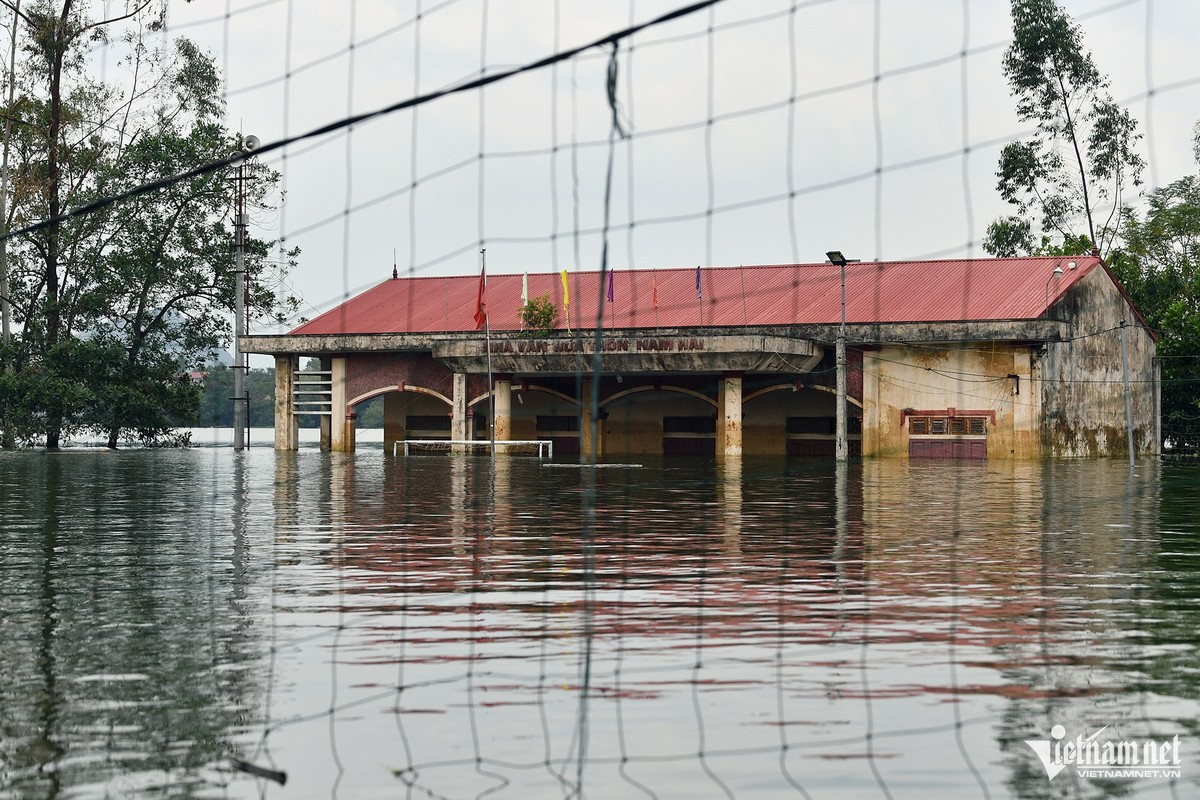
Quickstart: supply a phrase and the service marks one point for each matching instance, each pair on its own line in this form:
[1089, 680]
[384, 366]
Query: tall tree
[167, 264]
[120, 303]
[58, 32]
[1068, 179]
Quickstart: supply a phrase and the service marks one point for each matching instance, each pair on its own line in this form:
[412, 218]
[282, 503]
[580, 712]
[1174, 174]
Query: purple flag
[699, 291]
[610, 286]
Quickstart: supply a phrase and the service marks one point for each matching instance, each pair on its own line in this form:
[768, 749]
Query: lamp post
[240, 402]
[840, 445]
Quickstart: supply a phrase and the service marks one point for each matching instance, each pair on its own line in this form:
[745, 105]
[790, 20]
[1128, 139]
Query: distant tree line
[216, 404]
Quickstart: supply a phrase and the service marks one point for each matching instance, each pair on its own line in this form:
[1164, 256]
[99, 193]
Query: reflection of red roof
[798, 294]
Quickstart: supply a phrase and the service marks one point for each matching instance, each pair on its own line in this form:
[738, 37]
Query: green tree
[216, 392]
[139, 289]
[166, 266]
[539, 316]
[56, 40]
[1160, 268]
[1068, 179]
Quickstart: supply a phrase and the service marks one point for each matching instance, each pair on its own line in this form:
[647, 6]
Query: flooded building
[980, 358]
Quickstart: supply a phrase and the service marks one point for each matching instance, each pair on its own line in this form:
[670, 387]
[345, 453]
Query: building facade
[982, 358]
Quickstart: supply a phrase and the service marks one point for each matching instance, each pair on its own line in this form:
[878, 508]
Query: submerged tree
[1067, 181]
[121, 302]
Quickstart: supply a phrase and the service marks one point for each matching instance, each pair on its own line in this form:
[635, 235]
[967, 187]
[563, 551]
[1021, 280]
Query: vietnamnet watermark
[1108, 758]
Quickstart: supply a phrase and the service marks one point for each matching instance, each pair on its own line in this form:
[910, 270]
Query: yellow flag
[566, 300]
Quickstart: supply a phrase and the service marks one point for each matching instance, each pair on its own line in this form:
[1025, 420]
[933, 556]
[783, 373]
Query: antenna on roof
[395, 272]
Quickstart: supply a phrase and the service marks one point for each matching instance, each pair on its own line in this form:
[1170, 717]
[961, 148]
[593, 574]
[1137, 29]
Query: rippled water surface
[436, 627]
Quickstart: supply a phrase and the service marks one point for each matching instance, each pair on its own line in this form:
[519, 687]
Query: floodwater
[436, 627]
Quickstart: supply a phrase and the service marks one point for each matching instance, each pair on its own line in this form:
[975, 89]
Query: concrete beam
[632, 355]
[343, 343]
[1036, 330]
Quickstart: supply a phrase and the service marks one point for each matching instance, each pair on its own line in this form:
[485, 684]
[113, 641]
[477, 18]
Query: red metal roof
[877, 291]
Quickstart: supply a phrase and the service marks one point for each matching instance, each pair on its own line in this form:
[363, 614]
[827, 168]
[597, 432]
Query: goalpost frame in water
[545, 448]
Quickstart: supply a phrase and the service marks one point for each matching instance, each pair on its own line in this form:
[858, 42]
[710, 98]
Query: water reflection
[445, 626]
[125, 666]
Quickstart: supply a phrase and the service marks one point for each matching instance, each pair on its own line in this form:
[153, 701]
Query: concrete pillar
[502, 397]
[326, 421]
[729, 491]
[287, 433]
[338, 443]
[350, 426]
[585, 422]
[460, 428]
[393, 421]
[729, 415]
[869, 439]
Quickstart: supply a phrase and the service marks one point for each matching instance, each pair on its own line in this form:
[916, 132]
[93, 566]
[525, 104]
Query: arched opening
[407, 412]
[659, 420]
[535, 412]
[798, 419]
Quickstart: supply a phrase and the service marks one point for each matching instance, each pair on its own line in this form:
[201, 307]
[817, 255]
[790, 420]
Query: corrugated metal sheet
[889, 291]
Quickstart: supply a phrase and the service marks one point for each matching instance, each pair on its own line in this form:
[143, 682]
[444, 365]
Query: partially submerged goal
[475, 447]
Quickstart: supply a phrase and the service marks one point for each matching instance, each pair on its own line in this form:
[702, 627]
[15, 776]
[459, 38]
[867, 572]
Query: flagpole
[524, 297]
[487, 332]
[745, 315]
[612, 307]
[654, 295]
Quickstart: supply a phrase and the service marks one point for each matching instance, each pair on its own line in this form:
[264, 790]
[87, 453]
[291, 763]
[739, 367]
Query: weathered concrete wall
[970, 376]
[1080, 379]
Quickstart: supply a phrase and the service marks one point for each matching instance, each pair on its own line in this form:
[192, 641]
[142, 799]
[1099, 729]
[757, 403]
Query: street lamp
[241, 403]
[840, 446]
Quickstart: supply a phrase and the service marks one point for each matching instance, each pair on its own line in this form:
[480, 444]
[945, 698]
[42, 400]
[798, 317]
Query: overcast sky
[806, 152]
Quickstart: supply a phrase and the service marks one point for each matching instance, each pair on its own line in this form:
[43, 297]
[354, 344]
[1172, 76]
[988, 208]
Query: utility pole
[240, 401]
[841, 449]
